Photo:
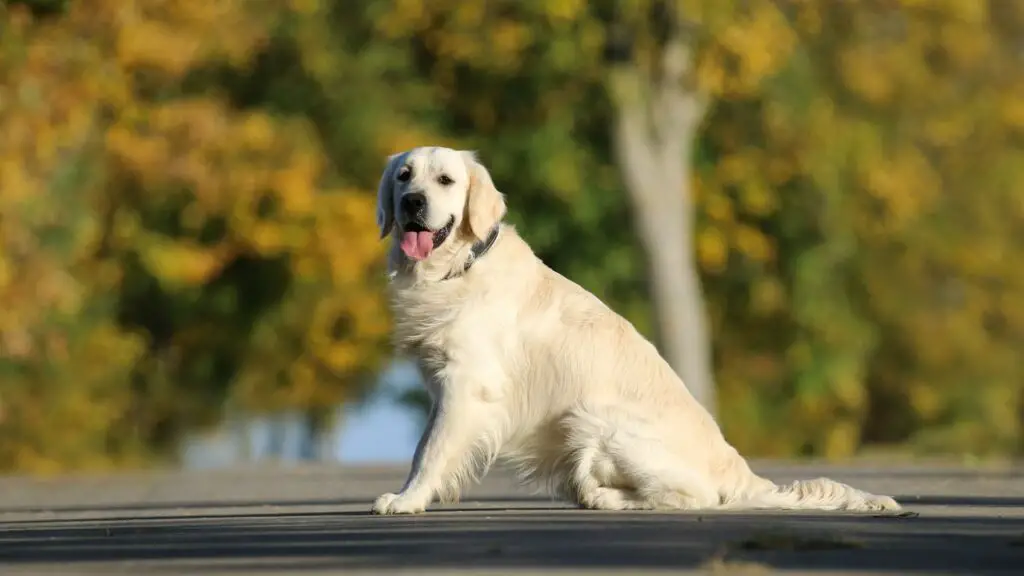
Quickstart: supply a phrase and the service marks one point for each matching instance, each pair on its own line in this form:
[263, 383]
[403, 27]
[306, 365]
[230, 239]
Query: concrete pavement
[314, 521]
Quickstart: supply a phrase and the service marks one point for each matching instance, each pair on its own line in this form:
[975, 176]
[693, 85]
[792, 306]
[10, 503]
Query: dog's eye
[404, 174]
[445, 180]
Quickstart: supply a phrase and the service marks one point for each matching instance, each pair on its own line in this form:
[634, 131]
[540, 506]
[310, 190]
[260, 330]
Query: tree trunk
[679, 302]
[655, 130]
[316, 442]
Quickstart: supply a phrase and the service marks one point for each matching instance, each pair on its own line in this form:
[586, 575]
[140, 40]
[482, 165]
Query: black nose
[413, 204]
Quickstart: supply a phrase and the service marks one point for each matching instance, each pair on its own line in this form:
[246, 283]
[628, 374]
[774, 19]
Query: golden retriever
[523, 364]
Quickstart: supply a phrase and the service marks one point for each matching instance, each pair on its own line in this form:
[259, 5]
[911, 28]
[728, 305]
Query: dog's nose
[412, 204]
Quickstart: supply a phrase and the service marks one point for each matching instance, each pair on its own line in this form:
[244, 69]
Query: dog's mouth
[418, 241]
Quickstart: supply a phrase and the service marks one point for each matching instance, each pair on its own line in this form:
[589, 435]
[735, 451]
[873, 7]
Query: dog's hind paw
[609, 499]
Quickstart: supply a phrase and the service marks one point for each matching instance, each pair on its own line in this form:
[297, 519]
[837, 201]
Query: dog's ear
[386, 197]
[485, 206]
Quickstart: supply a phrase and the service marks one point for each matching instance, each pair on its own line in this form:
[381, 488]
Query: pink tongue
[417, 245]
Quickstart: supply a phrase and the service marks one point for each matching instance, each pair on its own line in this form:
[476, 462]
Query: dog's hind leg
[593, 481]
[619, 462]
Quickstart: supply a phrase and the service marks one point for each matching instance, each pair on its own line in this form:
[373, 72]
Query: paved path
[313, 521]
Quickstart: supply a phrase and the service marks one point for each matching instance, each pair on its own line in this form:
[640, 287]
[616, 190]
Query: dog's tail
[816, 494]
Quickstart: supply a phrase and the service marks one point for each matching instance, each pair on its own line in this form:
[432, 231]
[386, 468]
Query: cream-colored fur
[524, 364]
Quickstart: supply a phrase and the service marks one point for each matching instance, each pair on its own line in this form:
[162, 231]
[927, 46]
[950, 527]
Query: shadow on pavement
[207, 504]
[524, 539]
[969, 501]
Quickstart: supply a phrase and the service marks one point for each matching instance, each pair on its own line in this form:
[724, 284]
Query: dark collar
[476, 252]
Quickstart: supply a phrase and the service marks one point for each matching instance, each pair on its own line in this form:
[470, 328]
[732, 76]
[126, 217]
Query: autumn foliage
[166, 248]
[186, 206]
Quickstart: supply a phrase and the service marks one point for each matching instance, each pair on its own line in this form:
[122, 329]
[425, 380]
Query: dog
[524, 364]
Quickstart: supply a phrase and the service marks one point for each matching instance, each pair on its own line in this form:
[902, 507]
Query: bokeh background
[815, 208]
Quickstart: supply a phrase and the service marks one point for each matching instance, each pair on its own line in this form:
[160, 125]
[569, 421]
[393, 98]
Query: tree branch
[681, 103]
[633, 138]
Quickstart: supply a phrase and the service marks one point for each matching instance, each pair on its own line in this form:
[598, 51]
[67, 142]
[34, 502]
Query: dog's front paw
[398, 504]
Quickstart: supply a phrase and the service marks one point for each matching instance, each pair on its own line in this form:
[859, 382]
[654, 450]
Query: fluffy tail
[817, 494]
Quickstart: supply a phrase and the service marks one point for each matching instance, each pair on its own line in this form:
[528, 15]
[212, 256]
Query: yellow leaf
[752, 243]
[757, 199]
[767, 296]
[180, 263]
[712, 250]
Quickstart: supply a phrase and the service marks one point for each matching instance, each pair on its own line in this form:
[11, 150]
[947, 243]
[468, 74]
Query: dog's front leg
[445, 455]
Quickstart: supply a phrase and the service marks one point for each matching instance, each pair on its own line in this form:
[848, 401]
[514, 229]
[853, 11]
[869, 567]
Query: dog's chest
[427, 320]
[441, 327]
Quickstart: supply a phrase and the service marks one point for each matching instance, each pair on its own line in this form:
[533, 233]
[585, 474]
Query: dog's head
[428, 193]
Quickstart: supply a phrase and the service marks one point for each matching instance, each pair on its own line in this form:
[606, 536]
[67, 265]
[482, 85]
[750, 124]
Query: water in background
[378, 430]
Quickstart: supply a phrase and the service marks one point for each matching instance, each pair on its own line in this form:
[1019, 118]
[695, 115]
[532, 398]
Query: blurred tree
[661, 86]
[57, 402]
[891, 142]
[927, 100]
[228, 191]
[185, 192]
[657, 116]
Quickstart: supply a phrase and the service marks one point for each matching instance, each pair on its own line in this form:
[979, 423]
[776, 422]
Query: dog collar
[477, 251]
